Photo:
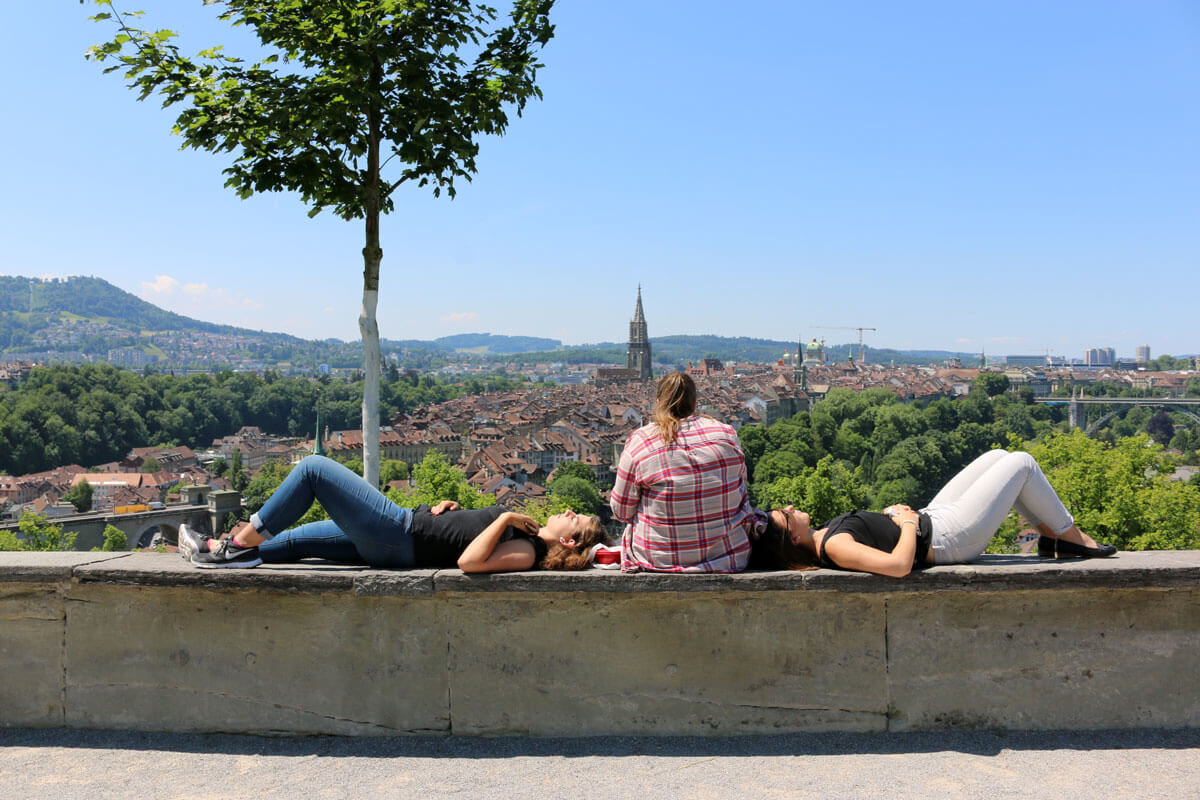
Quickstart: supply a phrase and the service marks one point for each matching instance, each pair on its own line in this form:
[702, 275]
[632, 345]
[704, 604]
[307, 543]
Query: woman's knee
[1023, 460]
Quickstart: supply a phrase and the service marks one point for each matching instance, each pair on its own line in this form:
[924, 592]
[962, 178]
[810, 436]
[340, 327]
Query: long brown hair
[676, 401]
[774, 549]
[560, 557]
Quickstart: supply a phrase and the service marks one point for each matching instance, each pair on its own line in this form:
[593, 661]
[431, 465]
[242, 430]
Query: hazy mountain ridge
[97, 299]
[34, 313]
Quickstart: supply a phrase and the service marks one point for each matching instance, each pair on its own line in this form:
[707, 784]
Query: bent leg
[378, 528]
[963, 528]
[966, 477]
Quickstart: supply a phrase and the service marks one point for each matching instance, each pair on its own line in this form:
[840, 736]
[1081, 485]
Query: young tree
[114, 539]
[80, 496]
[346, 88]
[392, 470]
[39, 534]
[237, 475]
[575, 469]
[435, 479]
[577, 494]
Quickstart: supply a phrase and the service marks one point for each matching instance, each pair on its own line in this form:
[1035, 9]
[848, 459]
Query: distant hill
[685, 349]
[82, 318]
[34, 300]
[91, 298]
[482, 343]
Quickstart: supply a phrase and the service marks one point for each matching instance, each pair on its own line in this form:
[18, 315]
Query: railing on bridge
[139, 527]
[1077, 404]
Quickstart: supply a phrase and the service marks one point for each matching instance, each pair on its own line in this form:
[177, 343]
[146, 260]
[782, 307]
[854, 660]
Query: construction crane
[861, 350]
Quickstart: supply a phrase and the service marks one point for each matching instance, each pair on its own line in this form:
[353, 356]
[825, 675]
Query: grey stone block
[46, 567]
[253, 661]
[665, 663]
[168, 569]
[1071, 658]
[31, 674]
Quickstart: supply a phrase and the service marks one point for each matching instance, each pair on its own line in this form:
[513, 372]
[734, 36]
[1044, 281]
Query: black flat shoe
[1046, 546]
[1072, 550]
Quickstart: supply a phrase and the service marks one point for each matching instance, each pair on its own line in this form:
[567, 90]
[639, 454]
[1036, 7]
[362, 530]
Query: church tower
[637, 357]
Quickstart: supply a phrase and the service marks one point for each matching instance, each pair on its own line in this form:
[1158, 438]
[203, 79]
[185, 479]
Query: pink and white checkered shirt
[685, 503]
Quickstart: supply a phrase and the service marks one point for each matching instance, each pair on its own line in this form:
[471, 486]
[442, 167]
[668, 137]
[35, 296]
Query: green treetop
[345, 90]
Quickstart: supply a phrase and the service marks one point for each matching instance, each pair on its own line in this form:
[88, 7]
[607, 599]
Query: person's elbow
[468, 564]
[622, 512]
[897, 570]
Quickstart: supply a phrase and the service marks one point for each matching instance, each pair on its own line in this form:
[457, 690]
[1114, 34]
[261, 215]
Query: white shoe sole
[187, 545]
[227, 564]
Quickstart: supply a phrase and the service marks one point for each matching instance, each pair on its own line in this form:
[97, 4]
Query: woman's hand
[905, 514]
[522, 522]
[486, 553]
[445, 505]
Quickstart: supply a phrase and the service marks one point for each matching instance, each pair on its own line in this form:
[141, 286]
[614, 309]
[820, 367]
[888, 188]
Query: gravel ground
[67, 764]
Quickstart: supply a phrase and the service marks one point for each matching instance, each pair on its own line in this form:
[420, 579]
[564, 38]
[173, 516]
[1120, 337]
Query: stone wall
[146, 641]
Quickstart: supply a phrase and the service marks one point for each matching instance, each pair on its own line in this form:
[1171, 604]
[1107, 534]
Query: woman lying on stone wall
[954, 528]
[365, 527]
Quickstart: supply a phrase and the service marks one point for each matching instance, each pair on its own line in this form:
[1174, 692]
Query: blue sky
[1010, 175]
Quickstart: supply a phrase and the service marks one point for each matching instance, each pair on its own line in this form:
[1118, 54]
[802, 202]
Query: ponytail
[676, 401]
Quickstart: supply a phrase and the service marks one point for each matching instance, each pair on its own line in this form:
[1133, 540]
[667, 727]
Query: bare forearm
[482, 546]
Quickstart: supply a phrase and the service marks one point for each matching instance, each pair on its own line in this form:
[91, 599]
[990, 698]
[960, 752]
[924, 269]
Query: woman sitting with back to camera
[681, 487]
[954, 528]
[365, 527]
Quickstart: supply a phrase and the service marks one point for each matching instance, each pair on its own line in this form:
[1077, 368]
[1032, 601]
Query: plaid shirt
[685, 503]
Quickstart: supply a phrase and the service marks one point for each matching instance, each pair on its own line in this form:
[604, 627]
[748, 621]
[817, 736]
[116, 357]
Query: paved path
[62, 765]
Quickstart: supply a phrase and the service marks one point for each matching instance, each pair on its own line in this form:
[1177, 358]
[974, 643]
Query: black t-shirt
[876, 530]
[438, 540]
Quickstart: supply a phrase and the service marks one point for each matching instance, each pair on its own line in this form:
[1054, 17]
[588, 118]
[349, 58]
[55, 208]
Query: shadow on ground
[969, 742]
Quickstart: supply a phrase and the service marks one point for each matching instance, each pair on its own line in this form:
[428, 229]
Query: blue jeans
[363, 525]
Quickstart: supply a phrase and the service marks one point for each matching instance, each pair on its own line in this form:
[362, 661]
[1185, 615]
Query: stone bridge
[1078, 408]
[203, 508]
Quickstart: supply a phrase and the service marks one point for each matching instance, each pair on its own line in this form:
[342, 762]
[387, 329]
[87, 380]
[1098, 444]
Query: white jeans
[968, 511]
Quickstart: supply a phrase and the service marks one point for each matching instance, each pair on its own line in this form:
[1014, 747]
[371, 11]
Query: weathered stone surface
[148, 641]
[46, 567]
[168, 569]
[394, 583]
[31, 644]
[154, 658]
[665, 663]
[1069, 658]
[609, 581]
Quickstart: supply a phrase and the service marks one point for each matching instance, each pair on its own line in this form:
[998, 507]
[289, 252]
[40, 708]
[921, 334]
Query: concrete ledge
[149, 642]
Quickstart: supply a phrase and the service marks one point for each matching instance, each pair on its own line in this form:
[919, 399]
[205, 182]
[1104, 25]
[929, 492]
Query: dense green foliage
[92, 415]
[80, 496]
[37, 533]
[1120, 493]
[869, 450]
[436, 479]
[92, 298]
[114, 539]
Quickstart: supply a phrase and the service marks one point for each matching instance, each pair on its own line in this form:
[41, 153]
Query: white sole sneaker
[190, 542]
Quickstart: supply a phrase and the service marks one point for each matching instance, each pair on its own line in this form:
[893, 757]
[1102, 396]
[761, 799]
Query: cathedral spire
[637, 357]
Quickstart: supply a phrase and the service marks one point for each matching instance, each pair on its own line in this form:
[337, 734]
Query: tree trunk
[367, 324]
[369, 328]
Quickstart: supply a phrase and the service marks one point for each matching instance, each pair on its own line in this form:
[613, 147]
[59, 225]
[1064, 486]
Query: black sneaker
[191, 543]
[230, 555]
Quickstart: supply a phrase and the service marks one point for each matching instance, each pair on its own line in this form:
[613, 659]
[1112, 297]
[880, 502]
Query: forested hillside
[91, 415]
[90, 298]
